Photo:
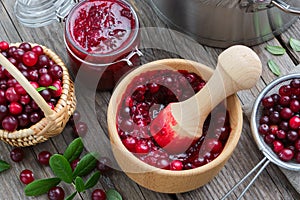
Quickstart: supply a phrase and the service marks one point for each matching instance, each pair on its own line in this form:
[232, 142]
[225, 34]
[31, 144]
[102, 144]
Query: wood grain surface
[271, 184]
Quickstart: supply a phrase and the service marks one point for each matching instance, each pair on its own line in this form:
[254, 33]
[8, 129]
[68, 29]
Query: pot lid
[37, 13]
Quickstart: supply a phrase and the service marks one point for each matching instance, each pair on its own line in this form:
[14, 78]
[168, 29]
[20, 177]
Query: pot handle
[286, 7]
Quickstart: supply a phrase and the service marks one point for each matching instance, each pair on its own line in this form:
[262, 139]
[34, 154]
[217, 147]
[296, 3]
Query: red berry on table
[30, 58]
[104, 164]
[17, 154]
[26, 176]
[98, 194]
[74, 163]
[56, 193]
[44, 157]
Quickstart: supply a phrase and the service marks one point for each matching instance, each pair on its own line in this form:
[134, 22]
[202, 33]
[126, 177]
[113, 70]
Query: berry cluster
[144, 99]
[17, 109]
[280, 121]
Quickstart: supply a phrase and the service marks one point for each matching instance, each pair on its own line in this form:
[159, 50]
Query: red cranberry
[56, 71]
[268, 102]
[295, 105]
[295, 83]
[34, 84]
[18, 54]
[43, 61]
[297, 157]
[11, 95]
[297, 145]
[74, 163]
[269, 139]
[281, 134]
[30, 58]
[273, 129]
[25, 99]
[34, 117]
[292, 136]
[11, 50]
[26, 176]
[33, 75]
[286, 113]
[44, 157]
[15, 108]
[176, 165]
[45, 80]
[284, 100]
[103, 164]
[19, 89]
[264, 120]
[277, 146]
[213, 145]
[98, 194]
[10, 123]
[286, 154]
[294, 122]
[38, 50]
[58, 91]
[275, 117]
[17, 154]
[56, 193]
[23, 120]
[46, 94]
[4, 46]
[141, 147]
[285, 90]
[25, 46]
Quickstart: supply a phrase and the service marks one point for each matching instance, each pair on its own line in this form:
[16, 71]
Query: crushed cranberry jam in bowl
[138, 99]
[275, 122]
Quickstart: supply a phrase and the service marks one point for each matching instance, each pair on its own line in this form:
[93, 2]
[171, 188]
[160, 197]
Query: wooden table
[271, 184]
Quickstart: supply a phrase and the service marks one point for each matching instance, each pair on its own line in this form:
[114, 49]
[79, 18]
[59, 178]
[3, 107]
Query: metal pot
[222, 24]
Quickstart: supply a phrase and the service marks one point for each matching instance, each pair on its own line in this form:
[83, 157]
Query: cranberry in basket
[101, 37]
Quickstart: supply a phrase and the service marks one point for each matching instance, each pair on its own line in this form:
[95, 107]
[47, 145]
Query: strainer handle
[265, 161]
[26, 85]
[286, 7]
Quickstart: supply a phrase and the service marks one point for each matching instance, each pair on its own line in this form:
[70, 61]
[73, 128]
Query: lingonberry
[45, 80]
[17, 154]
[11, 95]
[23, 120]
[10, 123]
[26, 176]
[56, 72]
[56, 193]
[44, 157]
[15, 108]
[294, 122]
[98, 194]
[74, 163]
[25, 46]
[4, 46]
[38, 50]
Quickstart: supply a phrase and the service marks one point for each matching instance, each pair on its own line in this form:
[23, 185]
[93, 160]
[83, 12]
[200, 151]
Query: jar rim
[133, 36]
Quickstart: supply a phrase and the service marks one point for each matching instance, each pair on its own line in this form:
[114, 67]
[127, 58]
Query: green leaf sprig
[274, 67]
[4, 166]
[61, 167]
[275, 50]
[295, 44]
[51, 87]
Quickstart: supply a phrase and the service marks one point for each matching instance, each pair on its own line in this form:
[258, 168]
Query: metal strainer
[270, 156]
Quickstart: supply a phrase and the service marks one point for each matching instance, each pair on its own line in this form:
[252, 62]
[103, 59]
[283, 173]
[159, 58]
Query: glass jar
[101, 36]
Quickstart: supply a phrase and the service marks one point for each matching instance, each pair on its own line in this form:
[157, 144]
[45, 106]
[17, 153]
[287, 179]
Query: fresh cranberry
[10, 123]
[26, 176]
[25, 99]
[264, 120]
[297, 145]
[103, 164]
[98, 194]
[11, 50]
[23, 120]
[12, 95]
[44, 157]
[213, 145]
[38, 50]
[15, 108]
[294, 122]
[286, 113]
[19, 89]
[30, 58]
[43, 61]
[56, 193]
[33, 75]
[58, 91]
[285, 90]
[45, 80]
[46, 94]
[17, 154]
[25, 46]
[284, 100]
[281, 134]
[4, 46]
[34, 84]
[130, 143]
[295, 105]
[35, 117]
[74, 163]
[268, 102]
[292, 135]
[3, 112]
[286, 154]
[297, 157]
[18, 54]
[56, 72]
[141, 147]
[176, 165]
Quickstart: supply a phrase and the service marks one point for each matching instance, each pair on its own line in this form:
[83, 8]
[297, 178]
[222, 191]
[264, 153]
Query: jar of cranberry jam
[102, 37]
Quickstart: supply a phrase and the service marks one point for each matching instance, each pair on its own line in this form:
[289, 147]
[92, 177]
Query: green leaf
[4, 166]
[39, 89]
[74, 150]
[41, 186]
[52, 87]
[86, 164]
[274, 67]
[79, 184]
[275, 50]
[61, 168]
[93, 180]
[295, 44]
[71, 196]
[113, 195]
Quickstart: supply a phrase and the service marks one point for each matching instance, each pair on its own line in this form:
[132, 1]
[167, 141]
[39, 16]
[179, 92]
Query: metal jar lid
[37, 13]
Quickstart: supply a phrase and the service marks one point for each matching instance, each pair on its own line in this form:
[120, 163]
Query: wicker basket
[55, 120]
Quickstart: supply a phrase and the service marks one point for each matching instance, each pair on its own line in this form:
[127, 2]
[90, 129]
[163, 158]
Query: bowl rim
[116, 141]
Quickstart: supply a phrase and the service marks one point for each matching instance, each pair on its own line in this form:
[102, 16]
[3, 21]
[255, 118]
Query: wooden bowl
[161, 180]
